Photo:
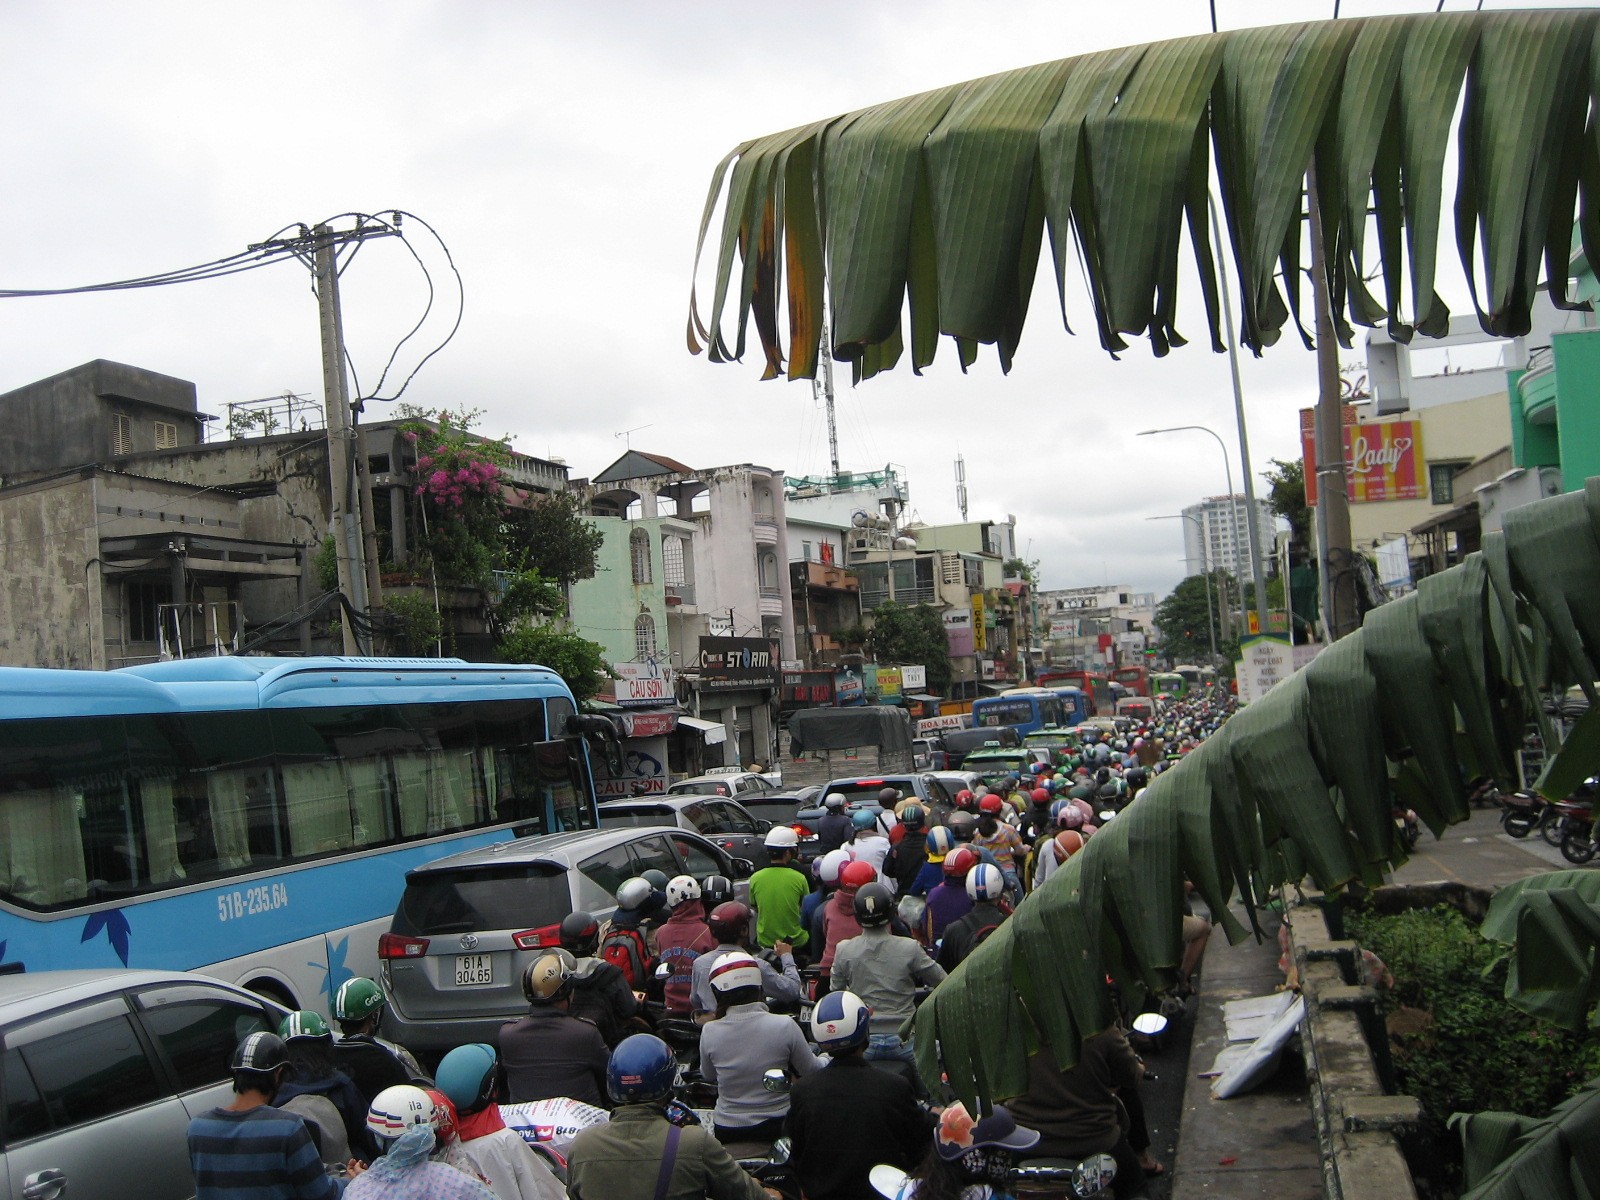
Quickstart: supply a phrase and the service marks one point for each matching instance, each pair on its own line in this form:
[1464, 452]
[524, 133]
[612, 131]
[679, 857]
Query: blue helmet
[641, 1069]
[863, 818]
[468, 1075]
[841, 1021]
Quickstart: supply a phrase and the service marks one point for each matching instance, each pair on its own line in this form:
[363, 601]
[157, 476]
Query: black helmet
[260, 1054]
[962, 826]
[873, 905]
[913, 817]
[580, 933]
[715, 890]
[656, 879]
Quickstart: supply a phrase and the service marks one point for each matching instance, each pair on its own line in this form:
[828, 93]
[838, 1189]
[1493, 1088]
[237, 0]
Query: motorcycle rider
[730, 925]
[846, 1119]
[777, 892]
[469, 1076]
[910, 853]
[1054, 852]
[938, 843]
[949, 901]
[884, 970]
[834, 828]
[371, 1063]
[826, 869]
[320, 1092]
[600, 991]
[550, 1052]
[741, 1046]
[872, 843]
[839, 914]
[985, 888]
[1000, 840]
[680, 941]
[639, 1154]
[403, 1122]
[249, 1144]
[970, 1158]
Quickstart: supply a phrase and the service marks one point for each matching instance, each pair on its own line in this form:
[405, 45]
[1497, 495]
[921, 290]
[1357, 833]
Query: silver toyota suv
[102, 1071]
[467, 926]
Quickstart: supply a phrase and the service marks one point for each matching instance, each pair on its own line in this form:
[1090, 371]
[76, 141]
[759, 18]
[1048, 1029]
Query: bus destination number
[250, 902]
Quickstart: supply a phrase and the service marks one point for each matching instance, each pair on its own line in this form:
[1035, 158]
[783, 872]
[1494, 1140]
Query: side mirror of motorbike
[1150, 1024]
[664, 972]
[774, 1080]
[1106, 815]
[781, 1150]
[1094, 1175]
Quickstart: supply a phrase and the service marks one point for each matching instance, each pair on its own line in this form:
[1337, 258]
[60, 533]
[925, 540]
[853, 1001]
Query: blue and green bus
[254, 818]
[1023, 709]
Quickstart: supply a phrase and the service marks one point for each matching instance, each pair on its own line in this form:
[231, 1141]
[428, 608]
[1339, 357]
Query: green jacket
[621, 1160]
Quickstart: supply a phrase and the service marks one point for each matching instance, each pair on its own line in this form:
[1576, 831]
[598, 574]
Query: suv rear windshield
[509, 896]
[634, 817]
[854, 792]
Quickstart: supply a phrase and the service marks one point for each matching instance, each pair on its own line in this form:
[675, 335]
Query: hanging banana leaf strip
[1453, 609]
[1576, 760]
[1488, 1138]
[1413, 696]
[1343, 695]
[1210, 860]
[1555, 563]
[1106, 150]
[1552, 922]
[1506, 613]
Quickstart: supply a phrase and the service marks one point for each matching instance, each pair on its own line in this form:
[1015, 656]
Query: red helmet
[856, 874]
[959, 861]
[964, 798]
[729, 923]
[991, 804]
[1040, 796]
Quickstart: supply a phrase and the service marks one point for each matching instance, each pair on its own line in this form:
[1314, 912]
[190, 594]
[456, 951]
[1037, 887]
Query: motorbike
[1577, 829]
[1083, 1179]
[1521, 813]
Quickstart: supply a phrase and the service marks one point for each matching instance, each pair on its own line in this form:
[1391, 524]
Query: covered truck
[827, 743]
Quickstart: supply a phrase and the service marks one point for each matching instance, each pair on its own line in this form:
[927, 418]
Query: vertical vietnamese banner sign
[980, 639]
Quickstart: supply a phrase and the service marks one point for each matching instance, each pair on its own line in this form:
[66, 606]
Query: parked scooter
[1521, 813]
[1577, 829]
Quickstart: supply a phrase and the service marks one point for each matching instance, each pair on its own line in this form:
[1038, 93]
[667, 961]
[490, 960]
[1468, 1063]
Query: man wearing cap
[777, 891]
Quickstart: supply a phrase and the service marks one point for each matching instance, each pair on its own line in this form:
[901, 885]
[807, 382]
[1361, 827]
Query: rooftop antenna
[961, 486]
[626, 441]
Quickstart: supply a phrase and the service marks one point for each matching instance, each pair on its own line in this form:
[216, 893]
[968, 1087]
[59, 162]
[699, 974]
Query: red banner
[1383, 459]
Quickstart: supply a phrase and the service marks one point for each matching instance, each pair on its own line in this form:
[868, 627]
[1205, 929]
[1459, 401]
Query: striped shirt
[262, 1153]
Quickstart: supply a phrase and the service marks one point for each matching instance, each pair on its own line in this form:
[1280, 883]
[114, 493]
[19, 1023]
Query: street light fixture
[1233, 503]
[1205, 561]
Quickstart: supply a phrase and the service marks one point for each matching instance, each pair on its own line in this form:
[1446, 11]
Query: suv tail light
[542, 938]
[397, 945]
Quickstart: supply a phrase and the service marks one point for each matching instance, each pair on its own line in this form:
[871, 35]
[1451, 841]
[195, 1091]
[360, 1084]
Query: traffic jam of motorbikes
[754, 1039]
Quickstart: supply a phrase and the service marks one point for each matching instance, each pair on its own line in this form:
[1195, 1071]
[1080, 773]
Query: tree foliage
[552, 538]
[1186, 622]
[1286, 496]
[902, 634]
[576, 659]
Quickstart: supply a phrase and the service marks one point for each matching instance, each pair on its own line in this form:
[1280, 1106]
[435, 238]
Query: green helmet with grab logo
[357, 999]
[304, 1024]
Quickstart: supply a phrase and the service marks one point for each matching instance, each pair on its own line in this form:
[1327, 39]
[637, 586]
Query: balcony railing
[771, 593]
[872, 597]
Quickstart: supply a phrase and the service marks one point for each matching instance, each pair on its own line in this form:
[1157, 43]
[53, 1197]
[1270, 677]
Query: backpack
[625, 949]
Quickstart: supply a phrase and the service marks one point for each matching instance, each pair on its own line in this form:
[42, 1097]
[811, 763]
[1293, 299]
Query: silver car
[102, 1071]
[468, 925]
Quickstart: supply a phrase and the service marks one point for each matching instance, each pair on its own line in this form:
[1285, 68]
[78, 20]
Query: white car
[732, 784]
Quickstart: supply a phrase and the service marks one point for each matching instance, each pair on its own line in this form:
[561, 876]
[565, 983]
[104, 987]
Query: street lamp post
[1233, 503]
[1205, 561]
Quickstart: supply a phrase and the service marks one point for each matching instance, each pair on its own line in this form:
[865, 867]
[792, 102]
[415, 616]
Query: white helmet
[682, 888]
[735, 970]
[830, 864]
[397, 1109]
[984, 882]
[781, 837]
[833, 800]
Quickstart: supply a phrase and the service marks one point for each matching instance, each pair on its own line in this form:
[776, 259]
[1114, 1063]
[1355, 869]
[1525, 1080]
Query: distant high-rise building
[1216, 538]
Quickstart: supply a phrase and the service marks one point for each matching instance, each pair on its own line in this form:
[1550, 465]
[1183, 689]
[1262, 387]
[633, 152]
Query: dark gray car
[468, 925]
[726, 823]
[103, 1071]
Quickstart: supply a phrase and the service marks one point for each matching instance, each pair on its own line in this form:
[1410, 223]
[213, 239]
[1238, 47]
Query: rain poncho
[405, 1172]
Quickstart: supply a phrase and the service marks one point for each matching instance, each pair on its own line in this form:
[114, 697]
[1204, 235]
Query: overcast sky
[563, 151]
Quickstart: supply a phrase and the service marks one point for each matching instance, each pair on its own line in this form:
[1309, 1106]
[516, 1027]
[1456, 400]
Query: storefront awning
[714, 733]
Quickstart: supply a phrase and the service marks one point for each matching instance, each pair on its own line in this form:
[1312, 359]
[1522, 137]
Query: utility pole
[1333, 504]
[348, 543]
